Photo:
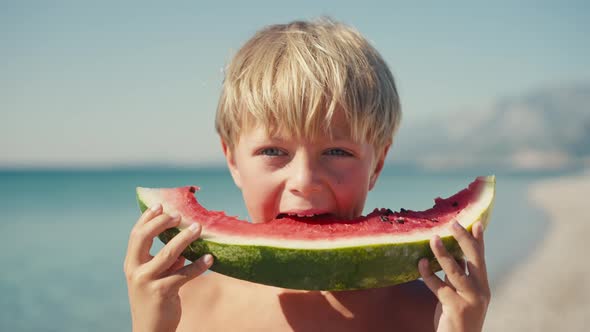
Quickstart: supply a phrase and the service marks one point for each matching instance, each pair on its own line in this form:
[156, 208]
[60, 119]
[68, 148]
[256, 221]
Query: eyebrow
[278, 138]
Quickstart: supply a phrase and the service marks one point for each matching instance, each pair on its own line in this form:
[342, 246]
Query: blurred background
[98, 98]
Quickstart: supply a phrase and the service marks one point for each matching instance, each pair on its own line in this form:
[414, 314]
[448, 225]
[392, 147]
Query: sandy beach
[550, 291]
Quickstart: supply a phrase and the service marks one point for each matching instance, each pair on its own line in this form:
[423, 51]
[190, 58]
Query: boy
[306, 118]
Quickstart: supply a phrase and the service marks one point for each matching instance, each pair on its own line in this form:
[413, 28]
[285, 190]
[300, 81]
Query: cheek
[351, 176]
[259, 194]
[351, 184]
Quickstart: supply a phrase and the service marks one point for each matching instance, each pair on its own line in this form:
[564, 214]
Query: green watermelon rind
[349, 268]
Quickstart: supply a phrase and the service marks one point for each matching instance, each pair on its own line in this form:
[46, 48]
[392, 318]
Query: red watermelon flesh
[317, 239]
[378, 222]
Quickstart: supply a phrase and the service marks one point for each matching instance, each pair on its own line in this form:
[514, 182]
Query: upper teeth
[301, 215]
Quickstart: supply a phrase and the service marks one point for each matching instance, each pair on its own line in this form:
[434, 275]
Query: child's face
[282, 175]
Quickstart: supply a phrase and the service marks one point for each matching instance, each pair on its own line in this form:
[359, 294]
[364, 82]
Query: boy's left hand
[464, 295]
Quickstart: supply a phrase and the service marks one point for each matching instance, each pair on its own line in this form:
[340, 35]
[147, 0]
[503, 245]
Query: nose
[304, 174]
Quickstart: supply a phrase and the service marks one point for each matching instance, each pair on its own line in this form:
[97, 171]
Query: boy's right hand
[153, 282]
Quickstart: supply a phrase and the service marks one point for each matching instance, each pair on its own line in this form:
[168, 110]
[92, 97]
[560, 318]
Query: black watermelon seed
[403, 210]
[400, 220]
[455, 204]
[434, 220]
[384, 218]
[389, 212]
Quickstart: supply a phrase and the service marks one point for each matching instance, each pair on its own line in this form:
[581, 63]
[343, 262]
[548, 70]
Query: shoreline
[550, 289]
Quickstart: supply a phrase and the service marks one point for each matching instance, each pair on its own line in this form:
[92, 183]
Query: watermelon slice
[319, 253]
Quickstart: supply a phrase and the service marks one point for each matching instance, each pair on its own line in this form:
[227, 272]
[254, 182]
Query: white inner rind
[466, 217]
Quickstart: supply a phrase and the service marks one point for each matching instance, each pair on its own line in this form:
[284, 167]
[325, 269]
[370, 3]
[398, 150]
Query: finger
[191, 271]
[149, 214]
[462, 263]
[469, 245]
[477, 231]
[174, 248]
[132, 258]
[448, 282]
[452, 269]
[176, 266]
[443, 291]
[146, 216]
[472, 249]
[142, 237]
[482, 276]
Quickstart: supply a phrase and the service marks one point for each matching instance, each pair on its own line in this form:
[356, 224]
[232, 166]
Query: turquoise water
[64, 235]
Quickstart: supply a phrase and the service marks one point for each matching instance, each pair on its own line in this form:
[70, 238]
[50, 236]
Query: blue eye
[271, 152]
[338, 152]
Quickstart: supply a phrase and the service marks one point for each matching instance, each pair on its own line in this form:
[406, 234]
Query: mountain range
[544, 129]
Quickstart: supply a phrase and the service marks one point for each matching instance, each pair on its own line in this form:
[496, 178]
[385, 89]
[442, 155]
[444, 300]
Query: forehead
[336, 128]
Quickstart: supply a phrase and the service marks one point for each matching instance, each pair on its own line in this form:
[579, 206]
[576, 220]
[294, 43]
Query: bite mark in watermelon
[320, 253]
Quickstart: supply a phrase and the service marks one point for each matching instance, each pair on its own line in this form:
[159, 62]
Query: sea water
[64, 235]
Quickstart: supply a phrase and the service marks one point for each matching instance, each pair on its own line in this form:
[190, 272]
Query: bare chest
[300, 312]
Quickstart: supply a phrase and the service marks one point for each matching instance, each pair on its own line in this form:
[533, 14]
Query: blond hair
[294, 77]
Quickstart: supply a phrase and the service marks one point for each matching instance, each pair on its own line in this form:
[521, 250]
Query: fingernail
[193, 227]
[456, 225]
[156, 207]
[478, 228]
[438, 242]
[208, 259]
[175, 216]
[423, 262]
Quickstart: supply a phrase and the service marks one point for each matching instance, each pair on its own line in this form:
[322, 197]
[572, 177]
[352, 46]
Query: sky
[109, 83]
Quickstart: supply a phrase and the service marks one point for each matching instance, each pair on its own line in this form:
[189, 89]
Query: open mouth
[304, 217]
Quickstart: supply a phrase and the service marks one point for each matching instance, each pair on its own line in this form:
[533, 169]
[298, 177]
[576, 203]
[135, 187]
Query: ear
[231, 164]
[381, 156]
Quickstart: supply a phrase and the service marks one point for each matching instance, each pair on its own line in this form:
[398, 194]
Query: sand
[550, 291]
